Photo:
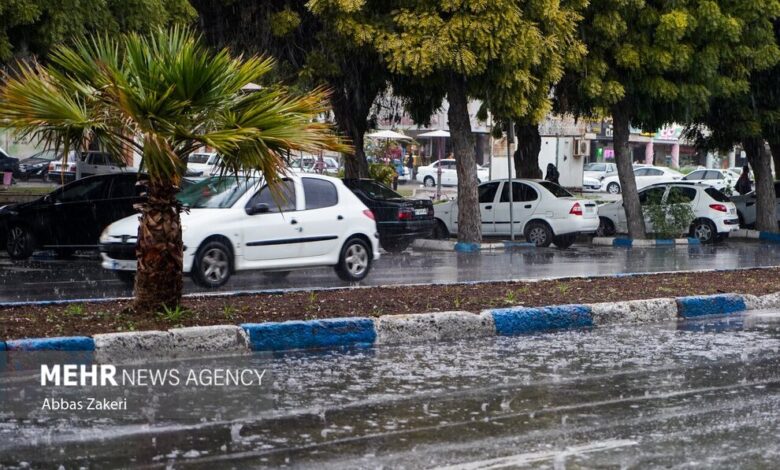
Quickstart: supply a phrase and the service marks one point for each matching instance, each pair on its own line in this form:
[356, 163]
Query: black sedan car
[399, 220]
[36, 166]
[71, 217]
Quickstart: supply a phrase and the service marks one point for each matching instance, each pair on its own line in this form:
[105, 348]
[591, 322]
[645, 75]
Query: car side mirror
[258, 208]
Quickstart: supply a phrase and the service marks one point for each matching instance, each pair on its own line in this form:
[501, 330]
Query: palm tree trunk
[469, 219]
[621, 121]
[526, 157]
[159, 251]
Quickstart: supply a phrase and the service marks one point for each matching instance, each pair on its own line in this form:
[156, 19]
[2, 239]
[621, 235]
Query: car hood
[195, 218]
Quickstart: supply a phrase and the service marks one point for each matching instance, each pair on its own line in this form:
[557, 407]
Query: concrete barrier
[699, 305]
[438, 326]
[313, 334]
[521, 320]
[633, 311]
[388, 329]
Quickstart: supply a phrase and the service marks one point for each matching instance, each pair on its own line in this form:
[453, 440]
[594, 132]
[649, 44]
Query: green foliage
[379, 172]
[175, 315]
[34, 27]
[75, 310]
[670, 218]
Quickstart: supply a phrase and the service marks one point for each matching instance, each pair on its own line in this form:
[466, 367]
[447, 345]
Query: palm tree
[163, 96]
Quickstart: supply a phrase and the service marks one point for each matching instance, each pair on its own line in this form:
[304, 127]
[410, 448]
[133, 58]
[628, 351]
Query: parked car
[8, 163]
[543, 212]
[449, 176]
[723, 180]
[203, 163]
[81, 165]
[240, 224]
[645, 175]
[36, 166]
[71, 217]
[309, 164]
[400, 220]
[599, 170]
[746, 207]
[590, 184]
[715, 216]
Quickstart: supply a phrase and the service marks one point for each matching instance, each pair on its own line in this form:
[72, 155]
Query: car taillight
[719, 207]
[72, 167]
[405, 214]
[576, 209]
[369, 214]
[51, 166]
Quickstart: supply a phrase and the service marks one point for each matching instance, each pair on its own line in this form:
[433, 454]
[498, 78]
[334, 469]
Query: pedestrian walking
[744, 185]
[410, 166]
[552, 174]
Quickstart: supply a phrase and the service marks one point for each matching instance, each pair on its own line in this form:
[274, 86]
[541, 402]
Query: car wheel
[395, 246]
[126, 277]
[565, 241]
[212, 265]
[538, 233]
[613, 188]
[19, 242]
[355, 260]
[440, 231]
[704, 230]
[606, 228]
[429, 182]
[276, 275]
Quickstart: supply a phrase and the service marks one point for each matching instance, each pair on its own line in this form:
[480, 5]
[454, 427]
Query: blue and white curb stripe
[449, 245]
[700, 305]
[520, 320]
[756, 235]
[387, 329]
[631, 243]
[312, 334]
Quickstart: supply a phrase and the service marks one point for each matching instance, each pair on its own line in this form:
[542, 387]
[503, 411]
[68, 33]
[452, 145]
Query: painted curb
[313, 334]
[756, 235]
[63, 343]
[176, 343]
[631, 243]
[723, 304]
[447, 245]
[438, 326]
[388, 329]
[521, 320]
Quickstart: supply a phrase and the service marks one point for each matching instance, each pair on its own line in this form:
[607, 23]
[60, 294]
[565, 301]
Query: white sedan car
[645, 175]
[449, 176]
[715, 216]
[746, 206]
[542, 211]
[723, 180]
[599, 170]
[238, 224]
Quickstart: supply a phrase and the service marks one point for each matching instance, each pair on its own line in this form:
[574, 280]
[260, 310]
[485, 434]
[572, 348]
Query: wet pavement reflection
[45, 278]
[703, 392]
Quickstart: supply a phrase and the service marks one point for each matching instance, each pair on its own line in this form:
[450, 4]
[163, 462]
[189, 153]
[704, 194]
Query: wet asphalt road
[80, 278]
[696, 394]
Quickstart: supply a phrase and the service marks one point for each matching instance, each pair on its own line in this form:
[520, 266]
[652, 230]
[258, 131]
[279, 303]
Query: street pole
[510, 137]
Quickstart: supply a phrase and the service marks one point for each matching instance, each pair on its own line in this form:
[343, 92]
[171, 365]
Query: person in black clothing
[552, 174]
[744, 185]
[410, 166]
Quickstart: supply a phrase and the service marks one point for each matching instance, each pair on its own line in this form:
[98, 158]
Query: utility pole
[510, 137]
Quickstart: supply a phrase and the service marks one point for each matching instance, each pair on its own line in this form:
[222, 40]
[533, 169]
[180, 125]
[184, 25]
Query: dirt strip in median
[105, 317]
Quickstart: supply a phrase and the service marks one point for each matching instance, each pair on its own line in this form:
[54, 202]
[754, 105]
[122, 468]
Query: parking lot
[46, 278]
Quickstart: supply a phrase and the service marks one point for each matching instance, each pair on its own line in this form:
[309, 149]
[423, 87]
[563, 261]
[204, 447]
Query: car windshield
[375, 190]
[595, 167]
[215, 192]
[556, 190]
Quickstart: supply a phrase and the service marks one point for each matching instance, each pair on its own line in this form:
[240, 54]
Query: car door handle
[341, 217]
[487, 208]
[527, 206]
[293, 222]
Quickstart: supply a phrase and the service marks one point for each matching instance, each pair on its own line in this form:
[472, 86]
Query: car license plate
[420, 211]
